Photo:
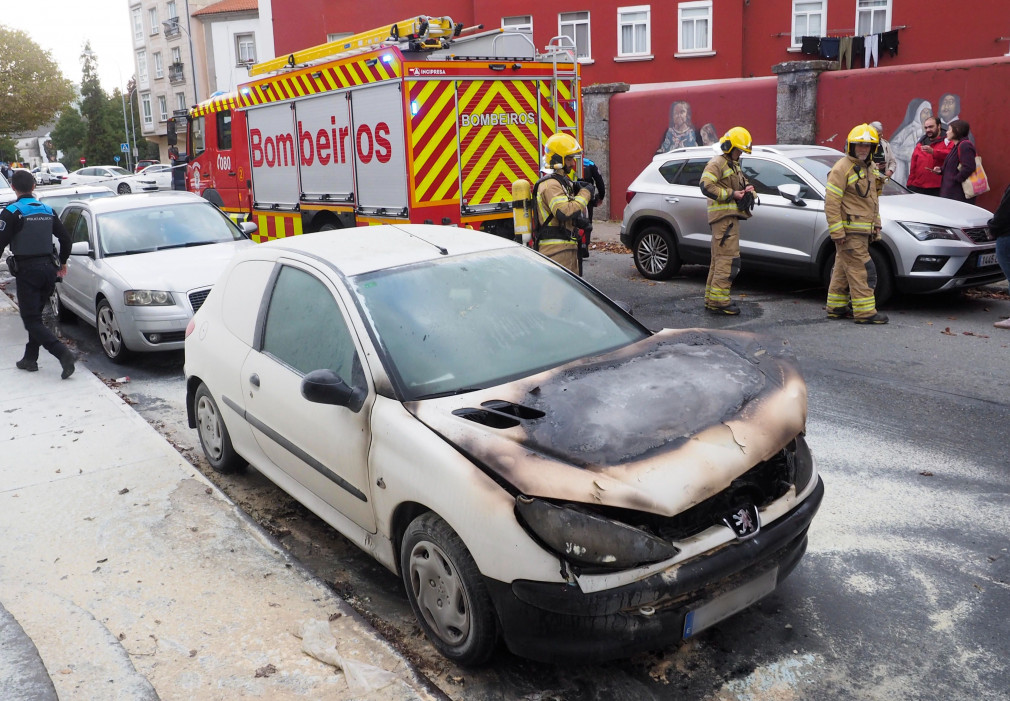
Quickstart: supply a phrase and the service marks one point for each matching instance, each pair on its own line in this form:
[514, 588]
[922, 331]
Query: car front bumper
[168, 326]
[558, 622]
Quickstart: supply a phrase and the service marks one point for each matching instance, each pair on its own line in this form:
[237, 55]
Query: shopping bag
[976, 184]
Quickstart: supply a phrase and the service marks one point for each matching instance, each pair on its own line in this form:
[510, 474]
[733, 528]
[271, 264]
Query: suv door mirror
[793, 193]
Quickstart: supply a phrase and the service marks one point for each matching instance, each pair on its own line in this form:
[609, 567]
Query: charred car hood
[656, 426]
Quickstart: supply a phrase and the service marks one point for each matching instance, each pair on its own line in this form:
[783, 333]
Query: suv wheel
[656, 254]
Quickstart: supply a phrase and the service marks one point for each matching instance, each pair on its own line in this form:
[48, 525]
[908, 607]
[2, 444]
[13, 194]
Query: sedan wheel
[109, 334]
[656, 254]
[214, 436]
[123, 189]
[447, 592]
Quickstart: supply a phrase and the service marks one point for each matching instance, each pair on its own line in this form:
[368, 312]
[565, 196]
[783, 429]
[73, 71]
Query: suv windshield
[157, 228]
[475, 321]
[820, 166]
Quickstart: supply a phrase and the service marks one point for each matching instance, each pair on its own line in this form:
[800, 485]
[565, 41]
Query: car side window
[690, 174]
[81, 229]
[766, 176]
[305, 329]
[70, 218]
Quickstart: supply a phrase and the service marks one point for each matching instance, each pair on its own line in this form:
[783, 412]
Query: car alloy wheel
[447, 592]
[656, 254]
[109, 333]
[214, 438]
[123, 189]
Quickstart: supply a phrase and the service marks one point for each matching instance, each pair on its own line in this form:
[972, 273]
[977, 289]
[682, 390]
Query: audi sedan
[536, 465]
[928, 244]
[140, 265]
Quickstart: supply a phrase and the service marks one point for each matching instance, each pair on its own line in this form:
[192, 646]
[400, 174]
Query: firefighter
[590, 174]
[562, 204]
[853, 214]
[730, 199]
[29, 226]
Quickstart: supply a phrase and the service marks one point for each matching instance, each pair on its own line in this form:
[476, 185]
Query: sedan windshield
[820, 166]
[470, 322]
[157, 228]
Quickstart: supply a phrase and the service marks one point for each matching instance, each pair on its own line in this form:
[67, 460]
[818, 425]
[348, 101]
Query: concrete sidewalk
[125, 574]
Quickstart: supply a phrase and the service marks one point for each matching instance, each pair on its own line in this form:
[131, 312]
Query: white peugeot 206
[536, 465]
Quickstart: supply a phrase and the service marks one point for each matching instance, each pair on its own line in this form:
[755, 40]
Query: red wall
[639, 119]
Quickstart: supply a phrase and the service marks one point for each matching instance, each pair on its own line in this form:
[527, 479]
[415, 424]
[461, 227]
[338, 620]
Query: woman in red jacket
[959, 163]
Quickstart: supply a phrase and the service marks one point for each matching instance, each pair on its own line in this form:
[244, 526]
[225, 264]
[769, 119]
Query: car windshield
[116, 170]
[168, 226]
[820, 166]
[58, 202]
[470, 322]
[57, 168]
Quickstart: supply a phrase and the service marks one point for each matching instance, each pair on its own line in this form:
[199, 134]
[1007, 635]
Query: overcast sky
[62, 26]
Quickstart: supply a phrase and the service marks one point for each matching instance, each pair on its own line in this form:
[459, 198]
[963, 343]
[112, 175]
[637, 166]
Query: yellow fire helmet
[863, 134]
[737, 137]
[558, 147]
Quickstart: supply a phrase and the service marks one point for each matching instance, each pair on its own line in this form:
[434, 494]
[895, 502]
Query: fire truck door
[272, 155]
[223, 176]
[324, 147]
[380, 161]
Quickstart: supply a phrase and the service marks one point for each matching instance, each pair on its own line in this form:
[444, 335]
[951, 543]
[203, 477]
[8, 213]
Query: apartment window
[695, 27]
[633, 31]
[163, 107]
[145, 109]
[138, 24]
[245, 49]
[172, 14]
[152, 17]
[176, 54]
[180, 101]
[873, 16]
[808, 19]
[142, 66]
[519, 23]
[159, 68]
[575, 26]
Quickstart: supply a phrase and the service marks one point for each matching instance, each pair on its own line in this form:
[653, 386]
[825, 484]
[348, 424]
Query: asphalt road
[905, 588]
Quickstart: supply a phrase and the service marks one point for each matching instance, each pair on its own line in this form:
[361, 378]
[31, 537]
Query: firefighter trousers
[725, 263]
[564, 253]
[853, 277]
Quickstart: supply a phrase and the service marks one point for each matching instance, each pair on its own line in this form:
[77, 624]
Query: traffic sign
[83, 160]
[125, 148]
[116, 159]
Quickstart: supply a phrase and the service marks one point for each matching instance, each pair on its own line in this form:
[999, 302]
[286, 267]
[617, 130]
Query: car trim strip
[295, 450]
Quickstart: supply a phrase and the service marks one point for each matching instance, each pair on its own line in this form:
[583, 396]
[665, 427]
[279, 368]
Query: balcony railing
[172, 28]
[175, 74]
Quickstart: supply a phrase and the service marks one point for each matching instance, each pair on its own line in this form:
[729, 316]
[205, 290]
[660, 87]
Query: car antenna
[443, 251]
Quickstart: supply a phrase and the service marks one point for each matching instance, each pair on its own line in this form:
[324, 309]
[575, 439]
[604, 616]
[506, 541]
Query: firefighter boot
[840, 312]
[729, 310]
[877, 318]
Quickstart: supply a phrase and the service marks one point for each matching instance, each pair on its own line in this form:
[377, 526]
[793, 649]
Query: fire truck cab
[418, 122]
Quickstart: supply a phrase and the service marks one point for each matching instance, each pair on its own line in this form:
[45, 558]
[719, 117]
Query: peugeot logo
[744, 522]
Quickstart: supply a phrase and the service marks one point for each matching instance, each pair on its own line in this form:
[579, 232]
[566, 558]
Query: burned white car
[536, 465]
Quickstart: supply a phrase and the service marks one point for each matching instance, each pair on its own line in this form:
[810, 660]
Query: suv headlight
[586, 539]
[929, 232]
[148, 298]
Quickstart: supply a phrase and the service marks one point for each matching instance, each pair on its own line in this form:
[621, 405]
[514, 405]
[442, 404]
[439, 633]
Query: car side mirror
[326, 387]
[793, 193]
[80, 248]
[248, 228]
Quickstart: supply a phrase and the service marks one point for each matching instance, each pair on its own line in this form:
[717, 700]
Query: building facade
[236, 34]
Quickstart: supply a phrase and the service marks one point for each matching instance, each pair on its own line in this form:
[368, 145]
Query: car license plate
[985, 259]
[729, 603]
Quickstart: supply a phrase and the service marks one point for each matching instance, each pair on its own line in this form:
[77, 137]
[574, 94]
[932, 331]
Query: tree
[69, 135]
[102, 138]
[32, 89]
[8, 149]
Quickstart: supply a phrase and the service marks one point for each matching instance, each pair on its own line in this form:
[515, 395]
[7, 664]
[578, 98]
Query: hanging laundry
[829, 48]
[872, 48]
[811, 46]
[845, 52]
[889, 42]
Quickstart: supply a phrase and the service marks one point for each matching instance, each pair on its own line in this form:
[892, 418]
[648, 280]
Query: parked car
[928, 244]
[160, 173]
[59, 197]
[51, 174]
[144, 163]
[140, 265]
[7, 194]
[112, 176]
[530, 459]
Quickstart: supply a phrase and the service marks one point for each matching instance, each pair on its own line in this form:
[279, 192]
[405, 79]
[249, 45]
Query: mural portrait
[908, 133]
[681, 130]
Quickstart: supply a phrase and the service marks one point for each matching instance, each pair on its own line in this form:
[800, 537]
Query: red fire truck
[422, 121]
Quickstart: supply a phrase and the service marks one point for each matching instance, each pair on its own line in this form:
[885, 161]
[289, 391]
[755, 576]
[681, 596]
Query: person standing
[959, 163]
[730, 199]
[927, 155]
[851, 206]
[999, 226]
[561, 203]
[889, 162]
[28, 227]
[590, 174]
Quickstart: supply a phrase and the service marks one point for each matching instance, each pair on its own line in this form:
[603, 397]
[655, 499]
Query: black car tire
[447, 592]
[214, 437]
[109, 334]
[123, 189]
[656, 254]
[884, 289]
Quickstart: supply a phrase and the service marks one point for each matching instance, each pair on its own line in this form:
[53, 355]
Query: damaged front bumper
[558, 622]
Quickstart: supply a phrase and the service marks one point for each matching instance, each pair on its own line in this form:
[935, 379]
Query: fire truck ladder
[421, 32]
[561, 49]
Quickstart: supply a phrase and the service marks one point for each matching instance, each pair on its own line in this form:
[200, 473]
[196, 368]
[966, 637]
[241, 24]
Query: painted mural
[682, 132]
[911, 130]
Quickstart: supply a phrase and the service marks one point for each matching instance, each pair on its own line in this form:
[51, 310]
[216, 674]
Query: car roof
[70, 190]
[140, 200]
[787, 150]
[366, 249]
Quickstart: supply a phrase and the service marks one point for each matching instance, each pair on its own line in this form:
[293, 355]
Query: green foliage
[31, 84]
[8, 149]
[68, 137]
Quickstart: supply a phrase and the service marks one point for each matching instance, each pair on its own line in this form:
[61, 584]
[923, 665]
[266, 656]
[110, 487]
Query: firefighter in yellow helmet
[561, 209]
[730, 199]
[852, 208]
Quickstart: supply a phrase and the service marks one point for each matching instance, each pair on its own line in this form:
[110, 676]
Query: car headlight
[929, 232]
[583, 538]
[148, 298]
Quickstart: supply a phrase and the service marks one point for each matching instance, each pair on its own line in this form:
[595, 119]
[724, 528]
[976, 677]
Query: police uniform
[28, 227]
[721, 178]
[558, 205]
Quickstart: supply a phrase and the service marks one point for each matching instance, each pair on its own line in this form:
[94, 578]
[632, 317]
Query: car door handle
[672, 200]
[254, 380]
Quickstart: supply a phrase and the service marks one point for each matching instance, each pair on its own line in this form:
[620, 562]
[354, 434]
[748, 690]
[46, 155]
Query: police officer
[852, 209]
[562, 204]
[729, 200]
[28, 227]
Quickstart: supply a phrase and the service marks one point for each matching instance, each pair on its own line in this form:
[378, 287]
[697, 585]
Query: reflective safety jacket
[721, 178]
[556, 205]
[851, 202]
